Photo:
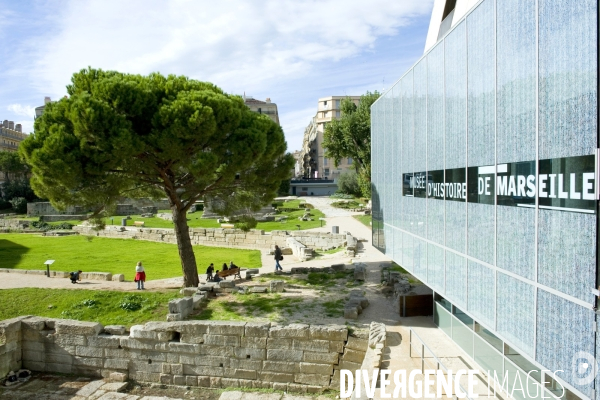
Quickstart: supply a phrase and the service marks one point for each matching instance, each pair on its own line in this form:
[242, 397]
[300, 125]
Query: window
[349, 161]
[325, 161]
[337, 104]
[326, 171]
[325, 103]
[338, 114]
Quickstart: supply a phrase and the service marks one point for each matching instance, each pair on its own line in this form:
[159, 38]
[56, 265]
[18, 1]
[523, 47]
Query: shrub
[348, 183]
[19, 204]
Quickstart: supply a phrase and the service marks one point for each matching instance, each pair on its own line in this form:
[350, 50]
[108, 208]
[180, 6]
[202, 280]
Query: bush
[4, 205]
[348, 184]
[44, 226]
[19, 204]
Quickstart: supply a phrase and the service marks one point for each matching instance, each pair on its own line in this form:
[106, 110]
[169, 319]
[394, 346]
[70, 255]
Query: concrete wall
[253, 239]
[295, 357]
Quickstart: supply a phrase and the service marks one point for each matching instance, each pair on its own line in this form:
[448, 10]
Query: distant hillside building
[263, 107]
[314, 163]
[40, 110]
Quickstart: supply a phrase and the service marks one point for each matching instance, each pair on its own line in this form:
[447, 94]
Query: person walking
[140, 275]
[209, 272]
[278, 257]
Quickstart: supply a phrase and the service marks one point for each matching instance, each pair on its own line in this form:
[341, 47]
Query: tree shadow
[11, 253]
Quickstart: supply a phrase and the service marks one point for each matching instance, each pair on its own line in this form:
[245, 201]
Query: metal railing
[438, 363]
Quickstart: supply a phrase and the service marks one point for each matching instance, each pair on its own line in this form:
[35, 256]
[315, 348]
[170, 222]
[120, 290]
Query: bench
[235, 272]
[138, 223]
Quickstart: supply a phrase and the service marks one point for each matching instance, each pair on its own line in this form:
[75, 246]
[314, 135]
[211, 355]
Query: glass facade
[484, 183]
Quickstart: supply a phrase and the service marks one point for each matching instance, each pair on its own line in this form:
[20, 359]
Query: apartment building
[314, 162]
[10, 136]
[263, 107]
[484, 181]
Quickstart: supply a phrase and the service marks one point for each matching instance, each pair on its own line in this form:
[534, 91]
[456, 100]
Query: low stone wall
[299, 250]
[220, 237]
[216, 354]
[94, 276]
[18, 224]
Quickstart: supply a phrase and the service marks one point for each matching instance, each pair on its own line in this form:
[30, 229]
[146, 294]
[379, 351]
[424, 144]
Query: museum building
[484, 182]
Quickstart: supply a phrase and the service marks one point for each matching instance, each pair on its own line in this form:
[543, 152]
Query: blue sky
[289, 50]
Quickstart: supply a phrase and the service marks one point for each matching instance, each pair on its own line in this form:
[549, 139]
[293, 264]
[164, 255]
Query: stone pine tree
[350, 136]
[128, 135]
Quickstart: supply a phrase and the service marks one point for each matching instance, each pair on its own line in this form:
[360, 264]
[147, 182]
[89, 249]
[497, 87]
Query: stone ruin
[216, 354]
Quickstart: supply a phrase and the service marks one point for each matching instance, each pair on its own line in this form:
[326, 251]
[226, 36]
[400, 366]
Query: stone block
[183, 347]
[312, 379]
[205, 381]
[355, 343]
[221, 340]
[118, 278]
[226, 328]
[174, 317]
[58, 368]
[240, 373]
[249, 353]
[312, 368]
[258, 289]
[139, 332]
[221, 351]
[276, 286]
[268, 376]
[90, 388]
[336, 347]
[321, 358]
[118, 376]
[284, 355]
[314, 345]
[114, 387]
[202, 370]
[226, 284]
[116, 363]
[85, 351]
[254, 342]
[189, 291]
[179, 380]
[136, 344]
[350, 313]
[71, 327]
[166, 379]
[255, 365]
[279, 343]
[191, 380]
[328, 332]
[299, 331]
[353, 356]
[360, 272]
[230, 382]
[281, 366]
[338, 267]
[115, 329]
[257, 329]
[352, 366]
[56, 358]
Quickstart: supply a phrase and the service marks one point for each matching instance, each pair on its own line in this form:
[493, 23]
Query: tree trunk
[184, 245]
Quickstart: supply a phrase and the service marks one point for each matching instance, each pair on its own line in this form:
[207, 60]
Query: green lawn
[118, 256]
[365, 219]
[106, 307]
[195, 220]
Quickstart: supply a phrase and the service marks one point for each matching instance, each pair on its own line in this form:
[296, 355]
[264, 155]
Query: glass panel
[456, 278]
[444, 303]
[463, 336]
[464, 318]
[516, 247]
[489, 337]
[516, 312]
[435, 267]
[443, 319]
[516, 80]
[568, 81]
[482, 293]
[488, 358]
[520, 386]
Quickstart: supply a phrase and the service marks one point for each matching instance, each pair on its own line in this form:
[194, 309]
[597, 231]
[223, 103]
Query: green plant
[131, 303]
[19, 204]
[348, 183]
[89, 303]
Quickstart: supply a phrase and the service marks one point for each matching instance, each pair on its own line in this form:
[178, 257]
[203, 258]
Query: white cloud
[21, 110]
[234, 43]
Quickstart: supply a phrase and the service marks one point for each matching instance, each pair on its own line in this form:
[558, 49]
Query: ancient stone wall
[253, 239]
[295, 357]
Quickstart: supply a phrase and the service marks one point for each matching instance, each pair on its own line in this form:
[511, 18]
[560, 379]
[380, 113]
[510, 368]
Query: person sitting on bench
[217, 278]
[225, 267]
[232, 265]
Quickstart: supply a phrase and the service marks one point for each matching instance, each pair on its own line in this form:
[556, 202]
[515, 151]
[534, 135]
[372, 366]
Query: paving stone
[231, 396]
[90, 388]
[114, 386]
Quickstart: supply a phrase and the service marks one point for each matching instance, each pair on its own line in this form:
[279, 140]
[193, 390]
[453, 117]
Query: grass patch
[365, 219]
[411, 279]
[117, 256]
[106, 307]
[346, 204]
[321, 253]
[317, 280]
[334, 308]
[245, 307]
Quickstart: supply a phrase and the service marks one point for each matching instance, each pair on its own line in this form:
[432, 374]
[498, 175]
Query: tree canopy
[350, 136]
[129, 135]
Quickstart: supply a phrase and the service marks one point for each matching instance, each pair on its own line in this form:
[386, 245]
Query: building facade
[315, 164]
[263, 107]
[484, 181]
[10, 136]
